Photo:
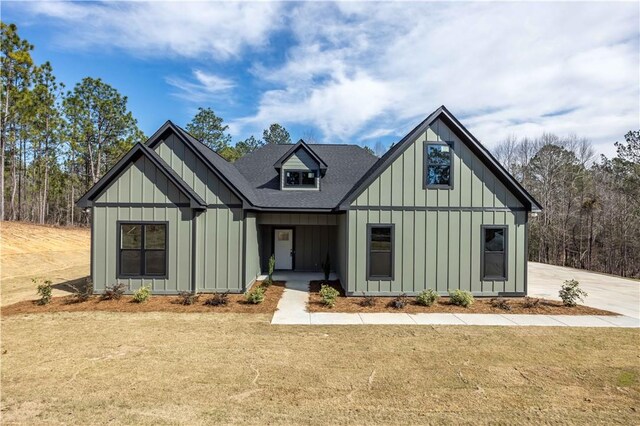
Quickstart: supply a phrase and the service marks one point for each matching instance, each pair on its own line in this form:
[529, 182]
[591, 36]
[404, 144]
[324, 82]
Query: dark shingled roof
[346, 164]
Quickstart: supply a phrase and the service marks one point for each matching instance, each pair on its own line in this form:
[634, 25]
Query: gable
[400, 183]
[300, 160]
[142, 182]
[199, 176]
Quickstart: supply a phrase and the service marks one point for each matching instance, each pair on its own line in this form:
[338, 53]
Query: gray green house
[436, 211]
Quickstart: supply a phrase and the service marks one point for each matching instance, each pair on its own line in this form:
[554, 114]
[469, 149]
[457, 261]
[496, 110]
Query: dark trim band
[423, 208]
[162, 205]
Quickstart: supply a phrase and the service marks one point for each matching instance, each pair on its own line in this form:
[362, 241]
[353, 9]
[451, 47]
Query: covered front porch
[300, 241]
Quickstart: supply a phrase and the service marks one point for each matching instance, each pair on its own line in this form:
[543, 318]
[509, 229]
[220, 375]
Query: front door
[283, 248]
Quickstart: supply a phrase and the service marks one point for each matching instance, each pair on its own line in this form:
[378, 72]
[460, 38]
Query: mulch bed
[156, 303]
[353, 304]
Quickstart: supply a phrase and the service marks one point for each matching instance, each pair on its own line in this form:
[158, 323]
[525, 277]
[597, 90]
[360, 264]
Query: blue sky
[353, 72]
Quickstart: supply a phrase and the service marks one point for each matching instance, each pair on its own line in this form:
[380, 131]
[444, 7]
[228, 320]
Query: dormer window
[299, 178]
[300, 168]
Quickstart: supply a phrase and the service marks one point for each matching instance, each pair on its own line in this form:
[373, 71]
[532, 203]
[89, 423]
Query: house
[436, 211]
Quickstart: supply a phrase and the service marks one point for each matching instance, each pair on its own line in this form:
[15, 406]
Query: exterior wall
[219, 254]
[143, 186]
[297, 219]
[300, 160]
[341, 249]
[252, 243]
[401, 184]
[195, 173]
[437, 249]
[219, 229]
[311, 245]
[314, 234]
[437, 231]
[142, 182]
[105, 247]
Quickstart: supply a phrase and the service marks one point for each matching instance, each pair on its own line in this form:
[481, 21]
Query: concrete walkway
[292, 310]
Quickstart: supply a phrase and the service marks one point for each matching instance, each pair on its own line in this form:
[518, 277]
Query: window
[494, 253]
[380, 252]
[143, 250]
[299, 178]
[438, 165]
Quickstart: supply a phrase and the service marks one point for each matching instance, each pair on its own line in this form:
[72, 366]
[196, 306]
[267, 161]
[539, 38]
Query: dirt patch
[59, 254]
[157, 303]
[484, 305]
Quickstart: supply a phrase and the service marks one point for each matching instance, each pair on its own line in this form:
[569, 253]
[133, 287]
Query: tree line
[56, 143]
[591, 205]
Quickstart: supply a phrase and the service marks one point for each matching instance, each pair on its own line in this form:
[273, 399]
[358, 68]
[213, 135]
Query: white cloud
[203, 87]
[219, 30]
[357, 70]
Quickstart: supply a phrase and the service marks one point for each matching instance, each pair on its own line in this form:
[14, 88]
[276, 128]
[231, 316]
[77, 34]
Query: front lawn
[150, 368]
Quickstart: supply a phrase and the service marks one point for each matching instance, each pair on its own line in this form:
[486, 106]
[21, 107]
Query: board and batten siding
[341, 249]
[252, 244]
[141, 183]
[219, 229]
[194, 172]
[315, 235]
[437, 231]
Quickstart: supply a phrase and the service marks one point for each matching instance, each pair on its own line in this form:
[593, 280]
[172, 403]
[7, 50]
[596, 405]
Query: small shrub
[501, 303]
[367, 301]
[570, 293]
[255, 296]
[271, 267]
[142, 294]
[461, 298]
[399, 302]
[114, 292]
[266, 283]
[326, 268]
[82, 293]
[530, 302]
[218, 299]
[427, 297]
[187, 298]
[44, 291]
[329, 295]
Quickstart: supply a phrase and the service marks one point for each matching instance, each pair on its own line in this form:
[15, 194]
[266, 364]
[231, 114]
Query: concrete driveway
[607, 292]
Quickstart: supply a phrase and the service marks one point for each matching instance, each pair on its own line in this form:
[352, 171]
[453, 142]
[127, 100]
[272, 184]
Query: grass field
[196, 368]
[237, 368]
[31, 251]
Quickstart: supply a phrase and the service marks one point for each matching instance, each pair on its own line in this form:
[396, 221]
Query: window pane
[380, 264]
[438, 175]
[131, 237]
[130, 262]
[292, 178]
[493, 264]
[494, 239]
[154, 236]
[309, 178]
[283, 236]
[380, 239]
[155, 262]
[439, 155]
